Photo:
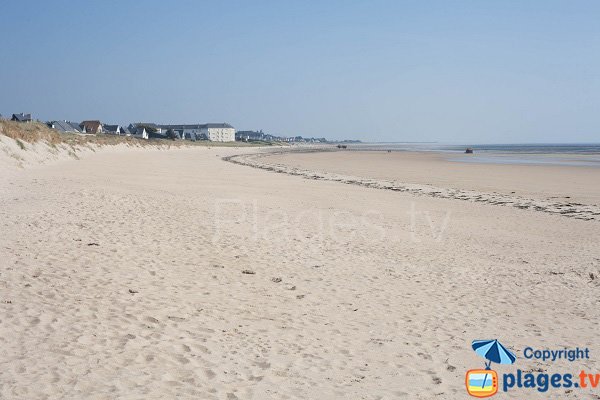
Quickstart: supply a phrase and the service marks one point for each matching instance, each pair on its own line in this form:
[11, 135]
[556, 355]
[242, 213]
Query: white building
[219, 132]
[141, 133]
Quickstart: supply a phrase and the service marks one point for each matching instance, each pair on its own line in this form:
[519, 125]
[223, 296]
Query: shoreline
[558, 154]
[570, 209]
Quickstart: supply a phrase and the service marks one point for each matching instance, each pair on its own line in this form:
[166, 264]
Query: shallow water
[586, 154]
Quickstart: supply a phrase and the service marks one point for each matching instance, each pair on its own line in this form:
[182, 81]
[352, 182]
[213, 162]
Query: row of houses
[216, 132]
[95, 127]
[254, 136]
[91, 127]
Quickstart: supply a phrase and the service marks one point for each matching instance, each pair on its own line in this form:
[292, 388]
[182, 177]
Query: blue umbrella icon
[493, 351]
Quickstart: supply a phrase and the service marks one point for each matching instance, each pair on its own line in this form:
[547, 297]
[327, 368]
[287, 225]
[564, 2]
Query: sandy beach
[176, 274]
[579, 184]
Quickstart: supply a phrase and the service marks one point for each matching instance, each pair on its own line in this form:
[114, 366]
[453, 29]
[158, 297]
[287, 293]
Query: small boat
[469, 150]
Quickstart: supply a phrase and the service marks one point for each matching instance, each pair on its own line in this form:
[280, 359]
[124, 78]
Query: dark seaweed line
[568, 210]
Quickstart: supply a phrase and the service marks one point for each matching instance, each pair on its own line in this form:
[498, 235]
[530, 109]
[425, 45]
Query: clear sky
[449, 71]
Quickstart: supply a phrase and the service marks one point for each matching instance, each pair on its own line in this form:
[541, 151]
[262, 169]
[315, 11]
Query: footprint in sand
[209, 374]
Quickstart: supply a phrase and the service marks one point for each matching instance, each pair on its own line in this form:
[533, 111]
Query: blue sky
[448, 71]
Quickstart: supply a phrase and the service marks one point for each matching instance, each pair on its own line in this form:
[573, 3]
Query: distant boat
[469, 150]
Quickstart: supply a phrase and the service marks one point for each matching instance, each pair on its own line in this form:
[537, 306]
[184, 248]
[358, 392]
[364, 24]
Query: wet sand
[578, 183]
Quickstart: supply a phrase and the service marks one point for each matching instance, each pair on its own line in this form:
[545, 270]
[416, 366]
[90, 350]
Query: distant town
[215, 132]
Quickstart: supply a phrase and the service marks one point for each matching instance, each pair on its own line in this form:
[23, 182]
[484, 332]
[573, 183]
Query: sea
[567, 154]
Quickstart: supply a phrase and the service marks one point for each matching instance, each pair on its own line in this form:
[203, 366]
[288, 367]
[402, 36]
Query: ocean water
[580, 154]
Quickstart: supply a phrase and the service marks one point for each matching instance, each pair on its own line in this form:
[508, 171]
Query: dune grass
[38, 132]
[28, 132]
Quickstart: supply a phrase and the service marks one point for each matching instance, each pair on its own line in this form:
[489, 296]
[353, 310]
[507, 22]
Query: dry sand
[162, 274]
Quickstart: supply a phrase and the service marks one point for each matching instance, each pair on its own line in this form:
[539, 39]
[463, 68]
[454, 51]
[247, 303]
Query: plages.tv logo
[484, 382]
